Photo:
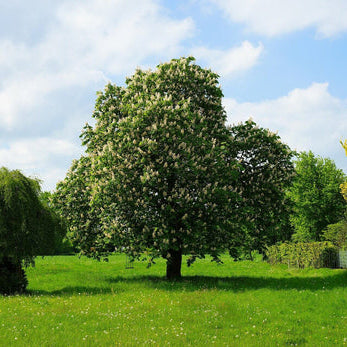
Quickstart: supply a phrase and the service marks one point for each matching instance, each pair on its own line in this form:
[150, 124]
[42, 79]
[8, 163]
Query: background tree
[265, 173]
[315, 194]
[62, 244]
[337, 233]
[25, 228]
[344, 145]
[156, 177]
[73, 201]
[344, 184]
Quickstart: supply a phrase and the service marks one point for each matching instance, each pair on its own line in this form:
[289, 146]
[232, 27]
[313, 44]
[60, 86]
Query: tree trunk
[12, 277]
[173, 265]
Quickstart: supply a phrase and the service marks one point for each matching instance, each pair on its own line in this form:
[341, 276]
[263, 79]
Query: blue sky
[281, 62]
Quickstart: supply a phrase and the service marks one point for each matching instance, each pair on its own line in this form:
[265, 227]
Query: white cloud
[40, 157]
[235, 60]
[80, 43]
[31, 152]
[306, 119]
[85, 41]
[276, 17]
[75, 48]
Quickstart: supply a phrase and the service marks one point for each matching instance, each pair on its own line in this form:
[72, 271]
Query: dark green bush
[304, 254]
[12, 277]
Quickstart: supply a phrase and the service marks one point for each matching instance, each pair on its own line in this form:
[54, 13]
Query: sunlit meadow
[77, 302]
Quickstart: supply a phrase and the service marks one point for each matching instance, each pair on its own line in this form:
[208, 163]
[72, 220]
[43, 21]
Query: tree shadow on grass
[236, 283]
[121, 284]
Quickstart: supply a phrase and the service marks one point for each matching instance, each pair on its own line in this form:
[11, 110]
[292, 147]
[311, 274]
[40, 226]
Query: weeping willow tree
[26, 228]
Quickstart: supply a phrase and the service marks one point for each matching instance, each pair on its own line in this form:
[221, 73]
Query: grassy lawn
[82, 302]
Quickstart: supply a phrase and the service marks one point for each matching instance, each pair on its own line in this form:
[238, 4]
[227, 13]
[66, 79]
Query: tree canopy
[156, 177]
[26, 227]
[266, 172]
[25, 224]
[315, 194]
[344, 184]
[163, 176]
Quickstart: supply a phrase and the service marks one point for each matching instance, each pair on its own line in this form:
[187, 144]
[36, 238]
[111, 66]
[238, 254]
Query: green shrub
[304, 254]
[337, 234]
[12, 277]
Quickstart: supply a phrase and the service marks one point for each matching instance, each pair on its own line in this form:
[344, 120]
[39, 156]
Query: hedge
[304, 254]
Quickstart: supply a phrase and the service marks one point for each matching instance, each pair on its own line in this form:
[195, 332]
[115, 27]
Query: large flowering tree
[156, 178]
[266, 172]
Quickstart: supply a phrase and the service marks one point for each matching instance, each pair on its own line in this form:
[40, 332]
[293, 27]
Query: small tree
[265, 173]
[156, 178]
[337, 233]
[25, 228]
[315, 194]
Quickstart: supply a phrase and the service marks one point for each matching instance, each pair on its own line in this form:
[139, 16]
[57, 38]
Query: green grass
[82, 302]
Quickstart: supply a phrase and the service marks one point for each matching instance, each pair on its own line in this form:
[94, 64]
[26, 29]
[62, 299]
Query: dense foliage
[344, 184]
[302, 255]
[156, 177]
[315, 194]
[337, 233]
[62, 243]
[163, 176]
[26, 227]
[265, 172]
